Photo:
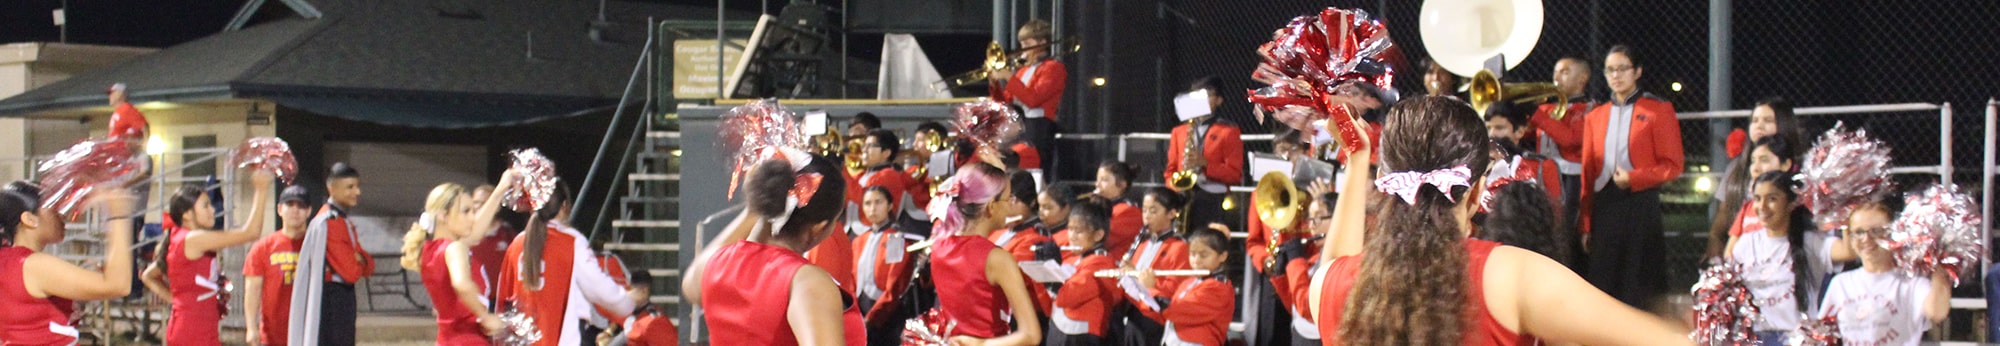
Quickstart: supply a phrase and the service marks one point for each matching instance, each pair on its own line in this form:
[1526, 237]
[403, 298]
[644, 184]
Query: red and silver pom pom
[929, 329]
[69, 178]
[1843, 170]
[1938, 230]
[1724, 311]
[536, 183]
[1823, 331]
[266, 154]
[987, 122]
[754, 132]
[1315, 54]
[517, 329]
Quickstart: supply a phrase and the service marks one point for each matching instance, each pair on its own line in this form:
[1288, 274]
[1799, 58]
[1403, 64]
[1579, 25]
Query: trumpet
[851, 153]
[999, 59]
[1485, 89]
[1113, 273]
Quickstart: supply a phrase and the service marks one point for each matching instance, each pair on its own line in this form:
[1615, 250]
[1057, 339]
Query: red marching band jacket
[1041, 91]
[1222, 147]
[1655, 149]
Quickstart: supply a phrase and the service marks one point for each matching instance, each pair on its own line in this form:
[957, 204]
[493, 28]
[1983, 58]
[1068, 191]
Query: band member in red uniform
[1298, 259]
[978, 281]
[878, 150]
[1560, 141]
[1418, 264]
[1082, 312]
[1036, 87]
[1198, 312]
[884, 269]
[753, 283]
[559, 292]
[1159, 247]
[648, 325]
[332, 262]
[1631, 147]
[1053, 207]
[1218, 157]
[38, 288]
[189, 266]
[1114, 178]
[450, 228]
[1020, 237]
[1266, 321]
[267, 272]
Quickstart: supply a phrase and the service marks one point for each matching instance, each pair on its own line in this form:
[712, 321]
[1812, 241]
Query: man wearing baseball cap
[268, 270]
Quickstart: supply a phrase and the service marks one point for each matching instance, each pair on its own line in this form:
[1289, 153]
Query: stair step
[653, 177]
[665, 299]
[660, 273]
[664, 134]
[650, 199]
[646, 223]
[643, 246]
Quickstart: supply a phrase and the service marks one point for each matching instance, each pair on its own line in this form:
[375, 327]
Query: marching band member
[1269, 309]
[1037, 87]
[556, 279]
[331, 261]
[1083, 302]
[39, 289]
[1631, 147]
[1160, 247]
[1219, 159]
[1418, 263]
[754, 283]
[189, 266]
[1053, 207]
[1297, 262]
[1561, 142]
[1114, 178]
[1019, 237]
[884, 268]
[983, 283]
[1198, 312]
[267, 272]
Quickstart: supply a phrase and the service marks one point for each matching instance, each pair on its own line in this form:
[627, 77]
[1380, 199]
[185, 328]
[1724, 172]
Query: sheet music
[815, 123]
[1261, 163]
[1046, 271]
[1132, 289]
[1191, 105]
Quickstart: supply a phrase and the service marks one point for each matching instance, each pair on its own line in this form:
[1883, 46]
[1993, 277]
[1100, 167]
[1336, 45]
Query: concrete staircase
[646, 230]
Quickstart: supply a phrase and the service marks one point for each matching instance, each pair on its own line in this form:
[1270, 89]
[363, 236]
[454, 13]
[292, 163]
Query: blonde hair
[440, 203]
[1037, 29]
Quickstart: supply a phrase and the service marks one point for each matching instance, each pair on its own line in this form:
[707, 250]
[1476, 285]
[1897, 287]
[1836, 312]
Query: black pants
[1203, 208]
[1041, 134]
[1140, 330]
[1302, 340]
[336, 314]
[1627, 246]
[1572, 207]
[1057, 338]
[1267, 322]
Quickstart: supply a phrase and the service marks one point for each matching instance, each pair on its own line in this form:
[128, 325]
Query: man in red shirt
[1037, 87]
[332, 261]
[274, 256]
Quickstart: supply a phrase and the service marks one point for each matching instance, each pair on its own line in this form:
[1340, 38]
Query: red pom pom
[987, 122]
[73, 174]
[536, 185]
[1735, 143]
[268, 154]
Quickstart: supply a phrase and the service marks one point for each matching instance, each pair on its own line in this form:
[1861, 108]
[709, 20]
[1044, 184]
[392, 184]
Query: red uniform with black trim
[1061, 237]
[1654, 149]
[197, 305]
[1199, 312]
[1020, 240]
[30, 320]
[344, 255]
[1222, 147]
[966, 296]
[1484, 330]
[275, 257]
[456, 324]
[1159, 252]
[1567, 134]
[1042, 90]
[1030, 158]
[1257, 244]
[892, 267]
[1126, 223]
[650, 329]
[746, 291]
[1086, 298]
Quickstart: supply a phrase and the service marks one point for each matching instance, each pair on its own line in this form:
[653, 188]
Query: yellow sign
[696, 75]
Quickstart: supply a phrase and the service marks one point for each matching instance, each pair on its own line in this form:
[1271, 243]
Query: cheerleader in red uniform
[1198, 312]
[37, 288]
[754, 284]
[188, 270]
[440, 246]
[1159, 247]
[1082, 312]
[553, 276]
[979, 283]
[1114, 178]
[885, 267]
[1419, 265]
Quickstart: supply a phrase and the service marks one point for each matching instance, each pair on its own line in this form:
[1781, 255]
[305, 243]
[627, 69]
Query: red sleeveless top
[746, 290]
[456, 324]
[1484, 330]
[197, 304]
[29, 320]
[958, 265]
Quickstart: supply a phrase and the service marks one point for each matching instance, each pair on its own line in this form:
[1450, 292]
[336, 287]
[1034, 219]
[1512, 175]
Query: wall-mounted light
[155, 145]
[256, 117]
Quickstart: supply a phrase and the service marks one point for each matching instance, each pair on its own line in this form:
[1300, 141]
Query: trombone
[998, 59]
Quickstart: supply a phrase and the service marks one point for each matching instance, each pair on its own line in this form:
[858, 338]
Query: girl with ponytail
[553, 267]
[1114, 183]
[188, 270]
[441, 254]
[753, 281]
[37, 288]
[983, 280]
[1417, 280]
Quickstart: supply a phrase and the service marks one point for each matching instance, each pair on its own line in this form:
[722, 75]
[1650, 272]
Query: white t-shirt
[1767, 269]
[1878, 308]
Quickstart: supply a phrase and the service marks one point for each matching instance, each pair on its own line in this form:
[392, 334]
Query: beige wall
[29, 65]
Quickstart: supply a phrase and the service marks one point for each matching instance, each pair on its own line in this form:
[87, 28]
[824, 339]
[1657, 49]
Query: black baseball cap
[293, 194]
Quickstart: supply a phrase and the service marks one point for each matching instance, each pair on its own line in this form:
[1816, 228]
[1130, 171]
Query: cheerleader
[1113, 180]
[1083, 302]
[188, 270]
[884, 267]
[37, 288]
[1419, 265]
[439, 248]
[1878, 305]
[1159, 247]
[1198, 312]
[553, 276]
[753, 282]
[986, 288]
[1785, 263]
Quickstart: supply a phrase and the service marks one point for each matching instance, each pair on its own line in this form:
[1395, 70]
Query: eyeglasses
[1320, 218]
[1619, 69]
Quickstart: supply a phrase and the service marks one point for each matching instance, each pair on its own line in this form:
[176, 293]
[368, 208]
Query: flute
[1112, 273]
